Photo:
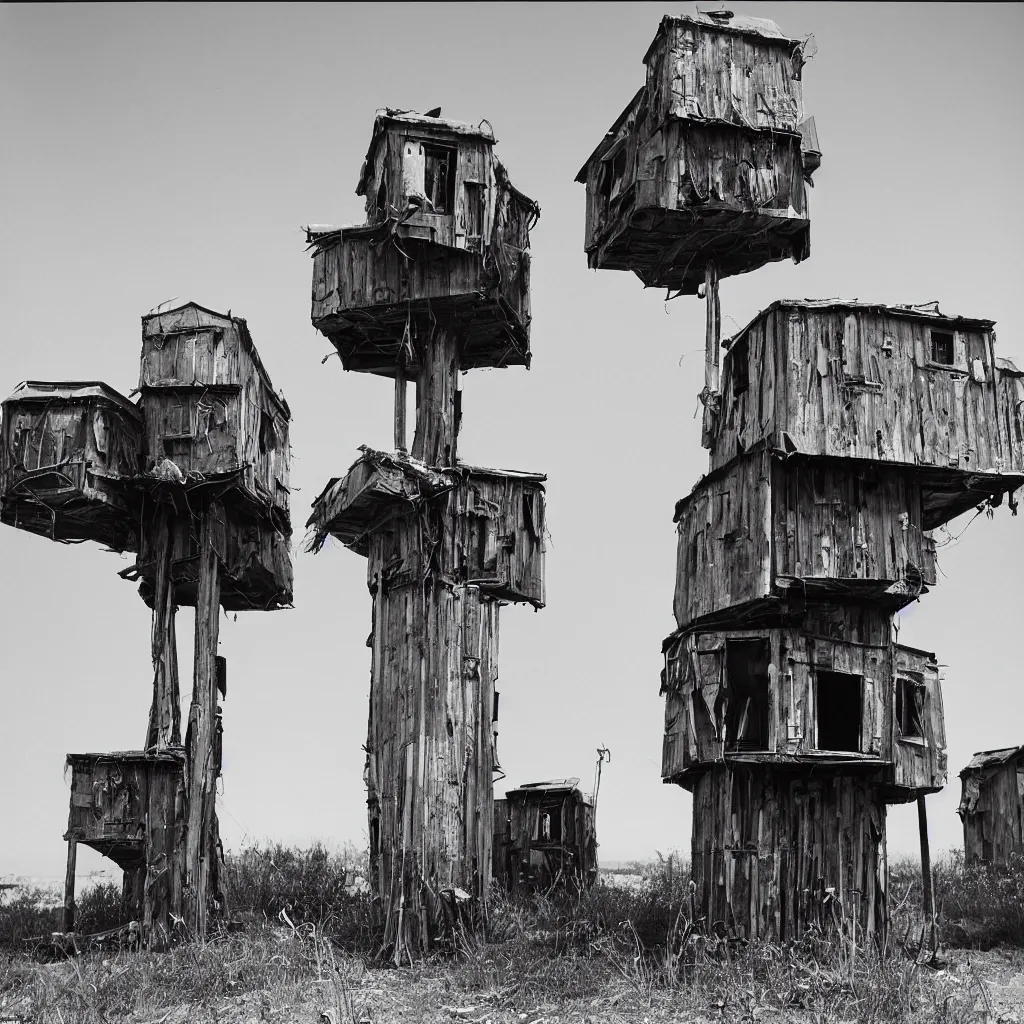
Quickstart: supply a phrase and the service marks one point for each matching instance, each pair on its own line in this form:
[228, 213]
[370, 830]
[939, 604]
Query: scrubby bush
[299, 886]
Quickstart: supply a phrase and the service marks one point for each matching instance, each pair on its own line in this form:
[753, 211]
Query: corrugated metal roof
[71, 390]
[921, 311]
[989, 758]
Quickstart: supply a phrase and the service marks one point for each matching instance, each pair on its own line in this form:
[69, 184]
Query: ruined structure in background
[841, 434]
[193, 478]
[545, 836]
[435, 283]
[992, 807]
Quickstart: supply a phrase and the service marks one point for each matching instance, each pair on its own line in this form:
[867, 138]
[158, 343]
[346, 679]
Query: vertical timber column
[69, 887]
[201, 875]
[430, 757]
[165, 713]
[437, 425]
[775, 851]
[711, 395]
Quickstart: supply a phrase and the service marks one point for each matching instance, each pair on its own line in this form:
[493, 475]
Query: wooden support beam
[165, 713]
[69, 887]
[436, 403]
[201, 876]
[710, 396]
[926, 872]
[400, 405]
[430, 759]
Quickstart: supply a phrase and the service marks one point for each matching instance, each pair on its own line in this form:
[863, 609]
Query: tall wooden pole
[201, 876]
[926, 871]
[436, 404]
[712, 342]
[165, 713]
[400, 404]
[69, 887]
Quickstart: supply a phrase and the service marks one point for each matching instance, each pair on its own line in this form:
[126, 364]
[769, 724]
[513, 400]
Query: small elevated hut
[710, 161]
[992, 806]
[216, 432]
[69, 450]
[545, 836]
[446, 234]
[129, 807]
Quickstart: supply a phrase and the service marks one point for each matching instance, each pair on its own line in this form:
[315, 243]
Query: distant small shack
[544, 836]
[992, 806]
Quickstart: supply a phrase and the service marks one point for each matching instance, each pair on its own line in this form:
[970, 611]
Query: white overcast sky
[154, 151]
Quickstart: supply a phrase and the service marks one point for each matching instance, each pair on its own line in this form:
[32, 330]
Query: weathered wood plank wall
[765, 525]
[430, 755]
[861, 383]
[776, 853]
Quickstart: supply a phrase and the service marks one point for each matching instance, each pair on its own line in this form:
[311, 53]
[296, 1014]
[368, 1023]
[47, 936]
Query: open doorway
[749, 694]
[837, 697]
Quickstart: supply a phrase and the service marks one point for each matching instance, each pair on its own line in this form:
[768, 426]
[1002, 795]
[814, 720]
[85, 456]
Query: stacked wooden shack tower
[193, 477]
[841, 434]
[434, 284]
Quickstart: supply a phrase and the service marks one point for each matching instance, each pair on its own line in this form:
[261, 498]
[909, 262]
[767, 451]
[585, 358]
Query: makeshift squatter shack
[194, 479]
[435, 283]
[992, 806]
[545, 835]
[843, 433]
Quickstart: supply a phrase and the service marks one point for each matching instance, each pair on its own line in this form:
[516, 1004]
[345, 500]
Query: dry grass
[611, 954]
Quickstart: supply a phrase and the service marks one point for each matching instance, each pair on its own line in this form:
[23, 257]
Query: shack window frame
[739, 367]
[437, 156]
[941, 343]
[912, 713]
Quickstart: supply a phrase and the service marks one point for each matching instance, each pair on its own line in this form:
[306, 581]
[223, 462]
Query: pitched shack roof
[71, 390]
[990, 759]
[388, 116]
[734, 24]
[243, 332]
[927, 311]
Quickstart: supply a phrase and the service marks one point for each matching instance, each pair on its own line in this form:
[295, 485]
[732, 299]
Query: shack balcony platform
[252, 541]
[69, 449]
[375, 286]
[489, 523]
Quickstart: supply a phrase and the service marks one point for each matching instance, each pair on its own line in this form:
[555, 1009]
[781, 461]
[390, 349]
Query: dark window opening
[439, 178]
[382, 198]
[910, 697]
[942, 348]
[613, 170]
[740, 368]
[549, 825]
[838, 701]
[268, 435]
[474, 215]
[749, 696]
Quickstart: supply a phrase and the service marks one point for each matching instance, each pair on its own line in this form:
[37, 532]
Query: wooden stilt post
[69, 887]
[201, 844]
[712, 343]
[926, 872]
[165, 713]
[436, 421]
[400, 394]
